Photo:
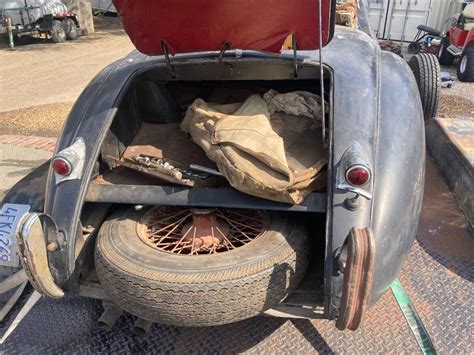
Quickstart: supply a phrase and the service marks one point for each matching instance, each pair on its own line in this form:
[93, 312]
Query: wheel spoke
[167, 217]
[233, 225]
[240, 224]
[184, 236]
[228, 229]
[192, 242]
[179, 221]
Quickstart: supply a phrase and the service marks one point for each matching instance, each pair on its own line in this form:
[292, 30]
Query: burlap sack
[276, 156]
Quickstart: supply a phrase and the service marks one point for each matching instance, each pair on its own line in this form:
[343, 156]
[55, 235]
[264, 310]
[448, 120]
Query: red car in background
[459, 42]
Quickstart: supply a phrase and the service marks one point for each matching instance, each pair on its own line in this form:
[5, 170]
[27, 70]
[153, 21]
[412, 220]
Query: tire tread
[426, 69]
[206, 298]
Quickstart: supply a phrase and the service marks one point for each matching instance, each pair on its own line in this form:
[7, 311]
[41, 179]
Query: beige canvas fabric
[260, 149]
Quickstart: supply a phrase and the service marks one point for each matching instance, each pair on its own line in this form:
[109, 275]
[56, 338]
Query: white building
[397, 19]
[104, 5]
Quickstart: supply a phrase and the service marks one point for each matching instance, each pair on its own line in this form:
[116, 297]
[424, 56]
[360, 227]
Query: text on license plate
[10, 216]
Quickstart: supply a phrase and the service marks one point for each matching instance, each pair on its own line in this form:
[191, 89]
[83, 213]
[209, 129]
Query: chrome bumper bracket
[32, 244]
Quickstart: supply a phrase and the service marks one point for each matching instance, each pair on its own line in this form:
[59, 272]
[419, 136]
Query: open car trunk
[148, 121]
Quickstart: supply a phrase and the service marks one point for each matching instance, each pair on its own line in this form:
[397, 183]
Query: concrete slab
[16, 162]
[451, 145]
[437, 275]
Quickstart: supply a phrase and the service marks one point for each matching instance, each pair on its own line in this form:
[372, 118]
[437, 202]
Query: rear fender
[90, 118]
[382, 112]
[399, 170]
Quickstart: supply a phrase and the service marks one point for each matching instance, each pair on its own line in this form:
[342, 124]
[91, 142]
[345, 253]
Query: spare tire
[159, 281]
[426, 69]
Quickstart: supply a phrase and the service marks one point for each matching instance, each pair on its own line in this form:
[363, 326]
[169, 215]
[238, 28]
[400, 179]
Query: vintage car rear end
[209, 254]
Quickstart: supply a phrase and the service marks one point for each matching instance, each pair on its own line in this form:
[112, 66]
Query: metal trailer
[38, 18]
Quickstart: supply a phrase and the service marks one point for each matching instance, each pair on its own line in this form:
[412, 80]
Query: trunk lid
[211, 25]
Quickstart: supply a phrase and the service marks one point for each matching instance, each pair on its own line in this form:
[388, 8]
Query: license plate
[10, 216]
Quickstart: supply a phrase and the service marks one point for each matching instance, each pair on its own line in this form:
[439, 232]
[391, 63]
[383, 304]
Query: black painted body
[375, 102]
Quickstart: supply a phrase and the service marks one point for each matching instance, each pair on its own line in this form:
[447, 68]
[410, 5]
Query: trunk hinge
[224, 49]
[166, 52]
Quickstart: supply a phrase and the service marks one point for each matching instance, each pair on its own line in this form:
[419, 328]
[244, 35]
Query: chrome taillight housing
[354, 172]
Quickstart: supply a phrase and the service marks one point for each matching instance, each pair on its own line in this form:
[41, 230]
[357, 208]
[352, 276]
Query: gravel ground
[457, 101]
[43, 120]
[454, 106]
[464, 90]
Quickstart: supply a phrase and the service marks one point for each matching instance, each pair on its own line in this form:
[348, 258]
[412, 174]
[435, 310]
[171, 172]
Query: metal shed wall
[398, 19]
[441, 12]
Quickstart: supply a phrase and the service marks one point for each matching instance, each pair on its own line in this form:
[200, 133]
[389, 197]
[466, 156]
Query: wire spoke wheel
[198, 231]
[200, 267]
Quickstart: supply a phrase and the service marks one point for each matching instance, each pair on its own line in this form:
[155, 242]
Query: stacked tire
[426, 69]
[64, 30]
[58, 32]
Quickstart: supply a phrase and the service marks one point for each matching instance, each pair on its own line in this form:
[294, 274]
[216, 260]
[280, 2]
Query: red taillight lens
[358, 175]
[61, 166]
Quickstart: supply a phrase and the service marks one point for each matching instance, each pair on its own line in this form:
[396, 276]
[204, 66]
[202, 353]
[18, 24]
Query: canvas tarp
[267, 146]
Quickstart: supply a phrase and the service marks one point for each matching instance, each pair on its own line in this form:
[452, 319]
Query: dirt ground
[40, 80]
[458, 100]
